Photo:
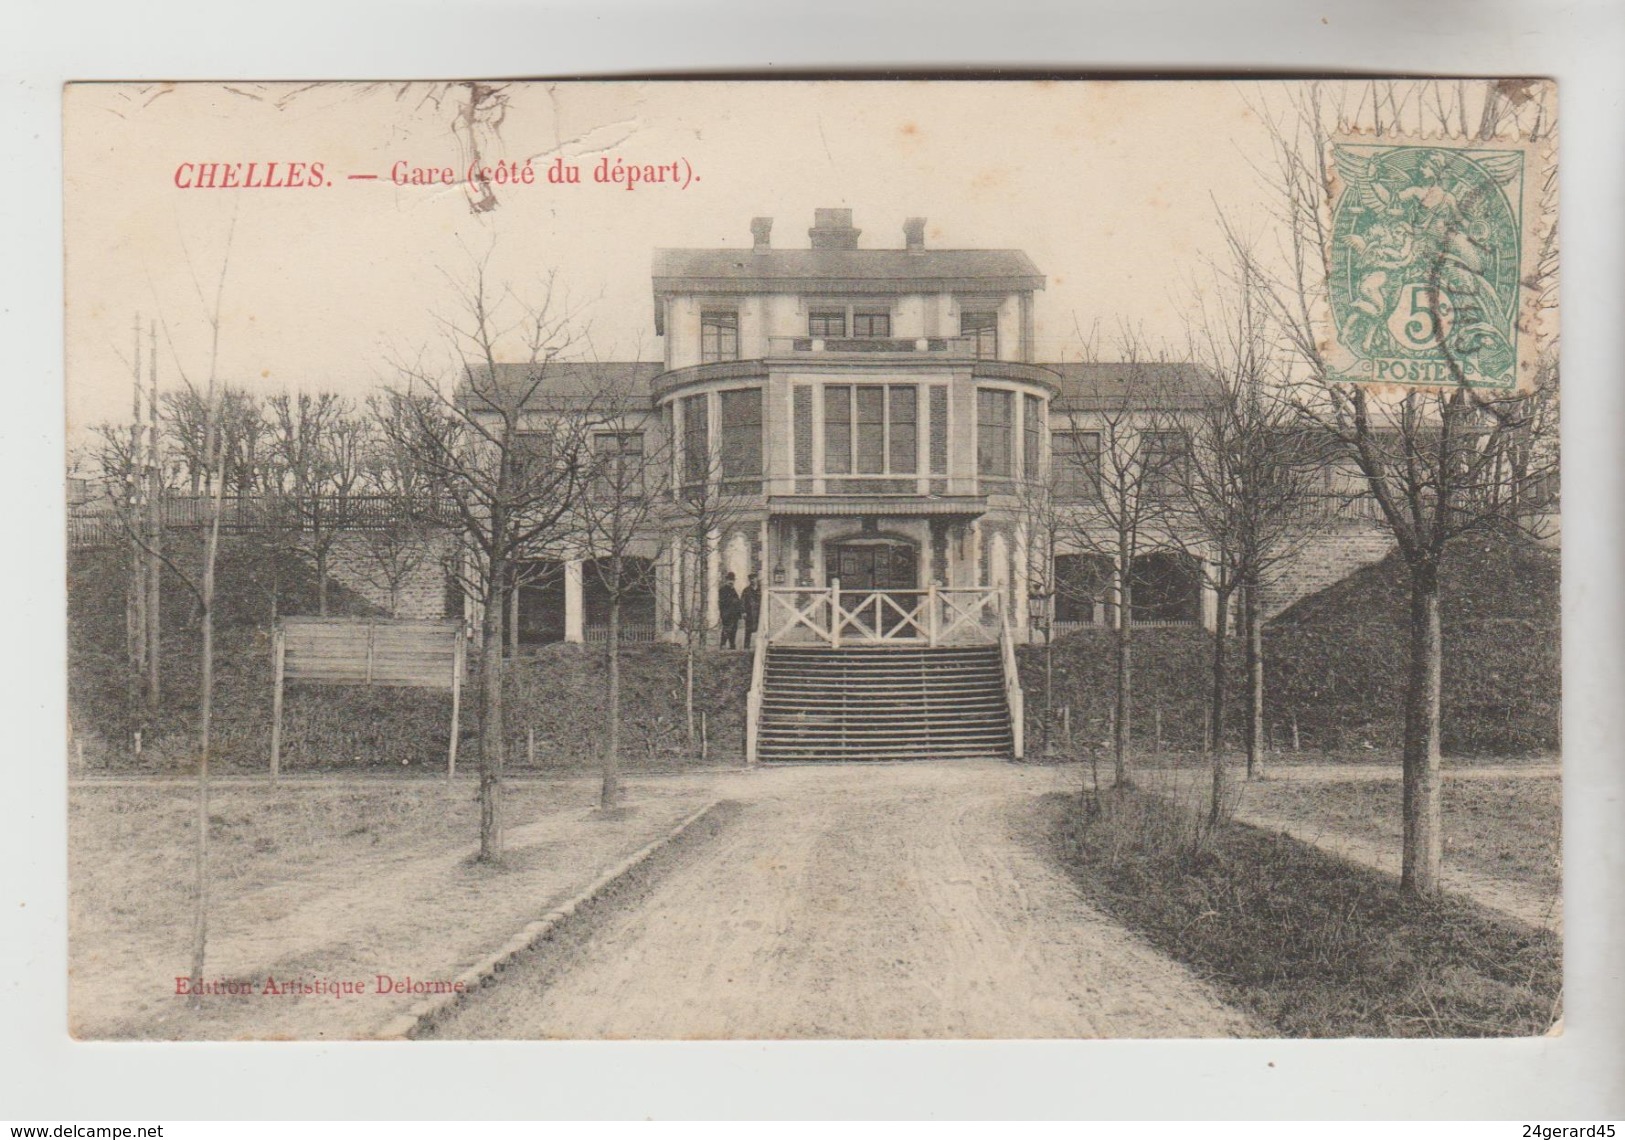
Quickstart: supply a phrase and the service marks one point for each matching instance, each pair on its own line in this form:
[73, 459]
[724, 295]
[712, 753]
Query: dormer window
[719, 336]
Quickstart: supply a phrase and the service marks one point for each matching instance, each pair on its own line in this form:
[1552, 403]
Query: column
[713, 617]
[1210, 597]
[1020, 581]
[574, 608]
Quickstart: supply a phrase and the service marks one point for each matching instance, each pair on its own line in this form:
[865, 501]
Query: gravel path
[858, 902]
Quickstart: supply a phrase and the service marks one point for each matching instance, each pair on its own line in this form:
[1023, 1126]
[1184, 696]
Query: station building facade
[874, 417]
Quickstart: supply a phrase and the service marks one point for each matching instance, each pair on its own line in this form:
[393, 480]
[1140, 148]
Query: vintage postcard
[840, 559]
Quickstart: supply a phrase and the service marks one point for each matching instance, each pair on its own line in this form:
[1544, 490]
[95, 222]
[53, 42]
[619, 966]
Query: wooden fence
[367, 651]
[100, 522]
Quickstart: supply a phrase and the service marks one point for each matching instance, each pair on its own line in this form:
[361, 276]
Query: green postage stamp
[1431, 242]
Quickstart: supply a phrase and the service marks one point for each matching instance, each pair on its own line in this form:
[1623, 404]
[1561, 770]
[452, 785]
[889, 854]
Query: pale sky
[1111, 188]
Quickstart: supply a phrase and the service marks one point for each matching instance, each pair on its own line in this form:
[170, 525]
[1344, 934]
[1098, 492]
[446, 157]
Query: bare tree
[1128, 446]
[188, 426]
[1440, 462]
[1046, 518]
[319, 448]
[505, 448]
[207, 413]
[625, 490]
[1248, 492]
[700, 510]
[406, 531]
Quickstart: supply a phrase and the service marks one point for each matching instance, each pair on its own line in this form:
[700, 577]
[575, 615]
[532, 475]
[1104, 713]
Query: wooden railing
[1013, 697]
[98, 522]
[753, 700]
[934, 616]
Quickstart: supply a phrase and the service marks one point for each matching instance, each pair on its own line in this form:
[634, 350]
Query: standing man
[751, 601]
[728, 610]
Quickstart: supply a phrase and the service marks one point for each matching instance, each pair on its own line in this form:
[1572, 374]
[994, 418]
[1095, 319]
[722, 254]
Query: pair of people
[732, 607]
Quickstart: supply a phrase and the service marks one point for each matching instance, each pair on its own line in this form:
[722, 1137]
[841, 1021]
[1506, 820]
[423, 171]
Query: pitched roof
[573, 382]
[881, 271]
[1149, 384]
[1082, 387]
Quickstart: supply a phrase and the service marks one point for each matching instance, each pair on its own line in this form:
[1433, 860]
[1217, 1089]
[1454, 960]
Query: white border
[43, 1075]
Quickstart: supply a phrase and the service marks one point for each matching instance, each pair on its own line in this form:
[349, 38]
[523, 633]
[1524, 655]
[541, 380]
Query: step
[988, 746]
[837, 688]
[899, 731]
[828, 675]
[817, 747]
[781, 705]
[881, 674]
[941, 651]
[869, 703]
[856, 714]
[859, 757]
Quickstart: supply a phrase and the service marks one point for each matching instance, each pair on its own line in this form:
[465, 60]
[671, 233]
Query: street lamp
[1038, 608]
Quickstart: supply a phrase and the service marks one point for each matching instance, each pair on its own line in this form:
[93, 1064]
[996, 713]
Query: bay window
[871, 429]
[995, 427]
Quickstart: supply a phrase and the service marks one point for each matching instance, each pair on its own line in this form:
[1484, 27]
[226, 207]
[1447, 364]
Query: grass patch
[555, 693]
[1334, 664]
[318, 881]
[1312, 945]
[1502, 828]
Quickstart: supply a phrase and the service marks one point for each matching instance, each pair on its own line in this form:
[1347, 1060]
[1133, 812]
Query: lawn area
[1312, 944]
[1504, 828]
[311, 882]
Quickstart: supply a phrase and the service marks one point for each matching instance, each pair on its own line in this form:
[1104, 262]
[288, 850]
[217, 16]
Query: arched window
[1082, 589]
[1166, 588]
[637, 597]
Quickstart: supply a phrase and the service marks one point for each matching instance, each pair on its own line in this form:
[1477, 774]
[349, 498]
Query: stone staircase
[883, 703]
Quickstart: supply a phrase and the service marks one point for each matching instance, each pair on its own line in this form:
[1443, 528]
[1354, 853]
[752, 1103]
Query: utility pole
[136, 607]
[155, 524]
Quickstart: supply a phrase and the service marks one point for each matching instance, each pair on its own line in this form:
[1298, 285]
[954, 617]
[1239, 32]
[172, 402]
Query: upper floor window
[741, 436]
[826, 324]
[618, 463]
[871, 324]
[983, 330]
[995, 429]
[1164, 459]
[534, 455]
[1076, 464]
[871, 429]
[838, 322]
[719, 336]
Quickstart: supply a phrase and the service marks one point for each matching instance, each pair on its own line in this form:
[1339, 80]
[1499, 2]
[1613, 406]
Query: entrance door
[870, 567]
[875, 566]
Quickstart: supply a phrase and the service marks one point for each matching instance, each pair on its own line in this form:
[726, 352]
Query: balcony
[936, 347]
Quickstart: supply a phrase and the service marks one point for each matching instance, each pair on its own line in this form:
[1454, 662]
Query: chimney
[761, 229]
[832, 229]
[914, 234]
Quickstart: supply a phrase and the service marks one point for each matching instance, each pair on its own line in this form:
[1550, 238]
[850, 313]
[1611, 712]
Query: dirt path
[853, 902]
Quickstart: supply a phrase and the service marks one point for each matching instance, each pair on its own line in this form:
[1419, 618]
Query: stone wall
[366, 561]
[1327, 559]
